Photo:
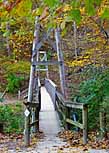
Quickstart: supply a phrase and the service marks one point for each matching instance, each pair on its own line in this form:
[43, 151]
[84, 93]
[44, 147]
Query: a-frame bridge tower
[35, 61]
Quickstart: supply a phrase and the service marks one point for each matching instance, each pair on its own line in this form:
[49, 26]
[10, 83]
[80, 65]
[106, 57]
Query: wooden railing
[32, 113]
[64, 109]
[51, 88]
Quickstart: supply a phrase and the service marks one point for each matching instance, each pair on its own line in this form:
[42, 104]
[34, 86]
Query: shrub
[12, 117]
[95, 92]
[14, 83]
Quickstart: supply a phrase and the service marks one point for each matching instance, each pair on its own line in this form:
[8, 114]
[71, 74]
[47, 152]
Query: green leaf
[75, 3]
[75, 15]
[24, 8]
[90, 9]
[51, 3]
[98, 2]
[105, 14]
[6, 34]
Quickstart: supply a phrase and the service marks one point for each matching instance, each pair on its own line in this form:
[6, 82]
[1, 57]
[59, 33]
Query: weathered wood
[36, 39]
[60, 111]
[43, 59]
[32, 124]
[31, 81]
[51, 88]
[39, 98]
[27, 131]
[60, 98]
[74, 105]
[74, 123]
[60, 59]
[38, 69]
[4, 93]
[36, 63]
[85, 118]
[32, 70]
[67, 113]
[69, 104]
[37, 118]
[36, 104]
[102, 124]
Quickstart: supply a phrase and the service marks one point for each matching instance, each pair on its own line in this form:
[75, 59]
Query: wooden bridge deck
[49, 121]
[49, 124]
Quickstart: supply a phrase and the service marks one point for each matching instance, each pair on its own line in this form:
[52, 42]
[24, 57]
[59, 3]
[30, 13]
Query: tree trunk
[7, 39]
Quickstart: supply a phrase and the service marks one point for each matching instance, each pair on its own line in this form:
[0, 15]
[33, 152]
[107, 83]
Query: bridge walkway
[49, 125]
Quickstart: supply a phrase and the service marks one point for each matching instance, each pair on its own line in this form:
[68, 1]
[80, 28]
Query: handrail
[51, 88]
[32, 112]
[64, 108]
[52, 83]
[69, 103]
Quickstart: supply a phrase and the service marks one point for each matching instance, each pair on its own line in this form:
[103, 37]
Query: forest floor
[51, 140]
[41, 144]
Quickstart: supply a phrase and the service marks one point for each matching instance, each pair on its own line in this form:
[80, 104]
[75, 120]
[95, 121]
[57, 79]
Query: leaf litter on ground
[74, 139]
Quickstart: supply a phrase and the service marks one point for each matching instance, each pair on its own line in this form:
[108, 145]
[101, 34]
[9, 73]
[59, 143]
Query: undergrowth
[11, 116]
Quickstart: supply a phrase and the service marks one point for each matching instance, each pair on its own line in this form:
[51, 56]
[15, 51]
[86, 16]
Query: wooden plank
[74, 123]
[3, 94]
[67, 114]
[60, 98]
[31, 81]
[61, 102]
[36, 104]
[34, 51]
[69, 103]
[38, 69]
[60, 111]
[46, 63]
[51, 82]
[32, 124]
[74, 105]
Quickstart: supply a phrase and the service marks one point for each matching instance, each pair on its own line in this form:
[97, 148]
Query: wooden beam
[74, 105]
[46, 63]
[60, 111]
[85, 127]
[27, 131]
[74, 123]
[31, 104]
[60, 58]
[41, 69]
[32, 124]
[69, 104]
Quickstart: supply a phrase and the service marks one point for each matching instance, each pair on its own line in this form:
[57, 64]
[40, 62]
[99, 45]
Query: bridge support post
[37, 118]
[34, 128]
[27, 130]
[39, 98]
[61, 60]
[67, 114]
[85, 130]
